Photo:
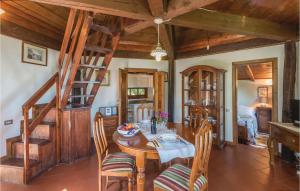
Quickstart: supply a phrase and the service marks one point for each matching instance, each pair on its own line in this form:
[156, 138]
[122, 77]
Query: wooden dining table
[137, 146]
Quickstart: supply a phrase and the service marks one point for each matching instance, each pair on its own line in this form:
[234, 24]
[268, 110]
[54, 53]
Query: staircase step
[97, 49]
[34, 148]
[45, 130]
[101, 28]
[92, 66]
[80, 96]
[12, 169]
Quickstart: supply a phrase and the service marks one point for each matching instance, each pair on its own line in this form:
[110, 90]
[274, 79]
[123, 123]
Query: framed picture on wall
[34, 54]
[106, 79]
[108, 111]
[262, 92]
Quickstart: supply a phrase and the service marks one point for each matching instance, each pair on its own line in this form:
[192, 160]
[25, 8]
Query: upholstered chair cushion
[177, 178]
[118, 162]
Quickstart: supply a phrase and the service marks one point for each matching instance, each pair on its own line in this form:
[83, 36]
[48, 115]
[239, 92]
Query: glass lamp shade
[158, 53]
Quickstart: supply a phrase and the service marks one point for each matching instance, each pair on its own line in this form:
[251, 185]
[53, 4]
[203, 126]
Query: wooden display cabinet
[204, 86]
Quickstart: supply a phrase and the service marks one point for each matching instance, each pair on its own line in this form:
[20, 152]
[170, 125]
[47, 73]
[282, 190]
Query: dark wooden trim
[289, 78]
[244, 45]
[171, 90]
[141, 70]
[234, 91]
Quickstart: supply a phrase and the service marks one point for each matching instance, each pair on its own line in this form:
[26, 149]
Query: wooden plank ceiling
[255, 71]
[191, 25]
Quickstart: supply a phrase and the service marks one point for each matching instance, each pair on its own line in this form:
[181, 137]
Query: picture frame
[114, 110]
[34, 54]
[108, 111]
[102, 110]
[262, 92]
[106, 79]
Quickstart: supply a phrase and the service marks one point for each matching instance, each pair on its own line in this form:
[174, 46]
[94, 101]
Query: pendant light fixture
[158, 52]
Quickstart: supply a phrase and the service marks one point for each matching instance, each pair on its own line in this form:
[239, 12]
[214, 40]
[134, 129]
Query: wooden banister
[30, 126]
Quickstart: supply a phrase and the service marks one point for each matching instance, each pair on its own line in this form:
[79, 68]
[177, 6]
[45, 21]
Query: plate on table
[129, 129]
[168, 137]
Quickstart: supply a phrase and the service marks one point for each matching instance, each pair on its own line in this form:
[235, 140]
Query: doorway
[141, 90]
[254, 99]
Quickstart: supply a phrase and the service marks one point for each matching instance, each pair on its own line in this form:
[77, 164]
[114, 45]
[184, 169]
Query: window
[137, 93]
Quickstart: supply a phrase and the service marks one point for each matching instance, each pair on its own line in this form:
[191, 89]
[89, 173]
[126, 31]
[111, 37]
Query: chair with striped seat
[181, 178]
[116, 164]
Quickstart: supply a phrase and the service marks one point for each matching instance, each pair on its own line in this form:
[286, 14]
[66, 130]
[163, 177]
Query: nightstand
[264, 115]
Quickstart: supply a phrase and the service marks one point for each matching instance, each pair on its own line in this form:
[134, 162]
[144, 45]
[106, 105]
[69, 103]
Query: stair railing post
[58, 118]
[26, 134]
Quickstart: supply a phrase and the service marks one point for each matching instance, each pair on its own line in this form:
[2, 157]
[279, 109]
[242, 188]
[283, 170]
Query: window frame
[137, 96]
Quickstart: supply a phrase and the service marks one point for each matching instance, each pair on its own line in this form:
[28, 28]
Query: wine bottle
[153, 124]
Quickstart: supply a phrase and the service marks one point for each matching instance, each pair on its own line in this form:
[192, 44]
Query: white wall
[247, 92]
[18, 82]
[224, 61]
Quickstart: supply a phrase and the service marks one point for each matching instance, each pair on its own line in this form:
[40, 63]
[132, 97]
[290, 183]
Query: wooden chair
[197, 114]
[194, 179]
[142, 109]
[116, 164]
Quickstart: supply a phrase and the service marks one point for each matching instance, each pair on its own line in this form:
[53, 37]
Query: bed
[247, 124]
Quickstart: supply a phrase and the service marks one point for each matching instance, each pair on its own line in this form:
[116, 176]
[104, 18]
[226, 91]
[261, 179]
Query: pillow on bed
[245, 111]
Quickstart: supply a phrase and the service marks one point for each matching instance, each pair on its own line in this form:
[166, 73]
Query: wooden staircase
[38, 146]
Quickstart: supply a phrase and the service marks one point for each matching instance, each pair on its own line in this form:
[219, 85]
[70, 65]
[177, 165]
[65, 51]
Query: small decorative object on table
[153, 124]
[162, 119]
[128, 130]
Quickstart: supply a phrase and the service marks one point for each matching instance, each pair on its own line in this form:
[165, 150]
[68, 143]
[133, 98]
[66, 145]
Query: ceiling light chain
[158, 52]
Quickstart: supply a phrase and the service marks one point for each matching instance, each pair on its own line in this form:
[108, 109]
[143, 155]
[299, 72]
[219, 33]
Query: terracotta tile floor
[241, 168]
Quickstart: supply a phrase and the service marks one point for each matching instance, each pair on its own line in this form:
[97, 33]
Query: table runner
[170, 150]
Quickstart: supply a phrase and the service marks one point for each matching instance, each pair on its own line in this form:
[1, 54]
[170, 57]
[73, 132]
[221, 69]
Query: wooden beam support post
[171, 89]
[289, 78]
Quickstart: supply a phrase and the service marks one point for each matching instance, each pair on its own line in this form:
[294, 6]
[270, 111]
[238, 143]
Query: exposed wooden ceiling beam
[138, 26]
[247, 44]
[180, 7]
[175, 8]
[212, 41]
[229, 23]
[134, 9]
[132, 54]
[156, 8]
[249, 72]
[16, 31]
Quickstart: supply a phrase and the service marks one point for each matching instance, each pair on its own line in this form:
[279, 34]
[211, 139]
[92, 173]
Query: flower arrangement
[162, 117]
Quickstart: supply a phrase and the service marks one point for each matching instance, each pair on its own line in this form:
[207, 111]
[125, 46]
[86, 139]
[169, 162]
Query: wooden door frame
[146, 71]
[235, 65]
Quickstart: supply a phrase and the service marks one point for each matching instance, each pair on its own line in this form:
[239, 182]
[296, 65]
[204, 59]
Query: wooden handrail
[30, 126]
[39, 93]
